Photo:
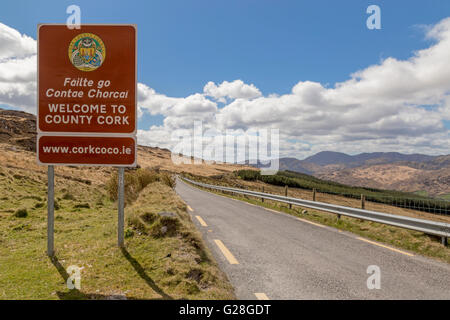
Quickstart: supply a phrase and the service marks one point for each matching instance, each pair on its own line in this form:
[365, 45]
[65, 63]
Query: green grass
[445, 196]
[413, 241]
[151, 267]
[421, 193]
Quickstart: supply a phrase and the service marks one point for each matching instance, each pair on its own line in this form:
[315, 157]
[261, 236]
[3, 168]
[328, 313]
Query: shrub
[167, 179]
[82, 206]
[134, 182]
[165, 227]
[129, 233]
[249, 175]
[131, 186]
[149, 217]
[68, 196]
[39, 205]
[145, 177]
[21, 213]
[111, 187]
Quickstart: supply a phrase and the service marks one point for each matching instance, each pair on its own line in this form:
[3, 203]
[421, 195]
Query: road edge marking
[228, 255]
[386, 247]
[313, 223]
[190, 209]
[202, 222]
[261, 296]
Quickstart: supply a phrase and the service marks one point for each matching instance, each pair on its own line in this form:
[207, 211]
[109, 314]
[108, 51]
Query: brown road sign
[87, 89]
[82, 150]
[87, 79]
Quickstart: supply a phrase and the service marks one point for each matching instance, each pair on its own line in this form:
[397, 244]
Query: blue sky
[271, 44]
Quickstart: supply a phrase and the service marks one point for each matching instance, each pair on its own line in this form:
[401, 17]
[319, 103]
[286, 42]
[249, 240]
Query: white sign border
[107, 134]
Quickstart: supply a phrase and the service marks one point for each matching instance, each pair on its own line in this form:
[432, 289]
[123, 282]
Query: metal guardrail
[426, 226]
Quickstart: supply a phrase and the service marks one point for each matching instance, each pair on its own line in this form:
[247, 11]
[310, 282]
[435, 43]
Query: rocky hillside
[337, 158]
[400, 177]
[428, 175]
[18, 128]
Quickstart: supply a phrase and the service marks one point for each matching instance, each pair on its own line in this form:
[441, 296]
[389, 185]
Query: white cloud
[156, 136]
[178, 112]
[14, 44]
[17, 69]
[236, 89]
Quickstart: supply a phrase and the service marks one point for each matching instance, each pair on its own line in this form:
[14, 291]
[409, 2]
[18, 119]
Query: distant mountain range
[325, 160]
[329, 157]
[428, 175]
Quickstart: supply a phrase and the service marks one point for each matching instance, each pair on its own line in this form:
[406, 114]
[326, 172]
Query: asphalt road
[276, 256]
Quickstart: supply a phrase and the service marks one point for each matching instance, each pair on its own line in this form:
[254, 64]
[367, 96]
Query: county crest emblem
[87, 52]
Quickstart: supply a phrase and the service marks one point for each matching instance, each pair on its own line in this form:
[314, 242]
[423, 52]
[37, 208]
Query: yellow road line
[261, 296]
[307, 221]
[386, 247]
[275, 211]
[202, 222]
[231, 259]
[190, 209]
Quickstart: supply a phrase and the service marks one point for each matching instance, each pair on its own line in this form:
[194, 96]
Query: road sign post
[50, 211]
[87, 112]
[121, 205]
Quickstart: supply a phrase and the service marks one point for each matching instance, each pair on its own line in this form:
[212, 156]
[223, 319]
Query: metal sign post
[121, 204]
[51, 211]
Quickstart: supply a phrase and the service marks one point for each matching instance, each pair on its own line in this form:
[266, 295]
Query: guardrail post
[286, 194]
[314, 194]
[363, 202]
[262, 199]
[445, 241]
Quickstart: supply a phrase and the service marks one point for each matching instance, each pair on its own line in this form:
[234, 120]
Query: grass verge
[168, 265]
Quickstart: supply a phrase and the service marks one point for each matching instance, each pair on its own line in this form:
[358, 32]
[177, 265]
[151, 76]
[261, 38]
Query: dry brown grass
[162, 159]
[153, 158]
